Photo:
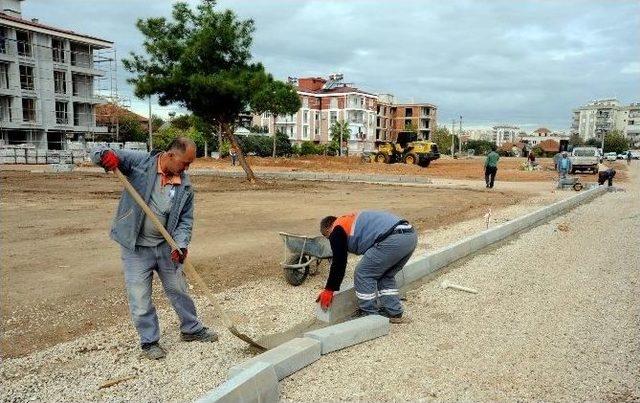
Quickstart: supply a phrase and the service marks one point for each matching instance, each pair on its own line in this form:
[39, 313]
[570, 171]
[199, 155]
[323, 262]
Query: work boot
[203, 334]
[153, 351]
[398, 319]
[360, 313]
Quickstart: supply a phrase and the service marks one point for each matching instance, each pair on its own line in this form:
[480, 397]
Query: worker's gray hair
[327, 222]
[181, 144]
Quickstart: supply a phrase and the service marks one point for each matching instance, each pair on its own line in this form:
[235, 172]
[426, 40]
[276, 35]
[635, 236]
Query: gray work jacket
[141, 169]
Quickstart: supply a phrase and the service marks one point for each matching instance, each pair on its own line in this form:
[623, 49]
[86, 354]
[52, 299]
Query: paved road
[557, 318]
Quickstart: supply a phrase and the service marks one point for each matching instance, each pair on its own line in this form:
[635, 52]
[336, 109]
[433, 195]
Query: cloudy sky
[494, 61]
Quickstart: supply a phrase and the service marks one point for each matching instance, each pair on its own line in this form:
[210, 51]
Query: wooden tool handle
[188, 267]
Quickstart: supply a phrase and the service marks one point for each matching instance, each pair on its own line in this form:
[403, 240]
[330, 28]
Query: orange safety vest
[347, 222]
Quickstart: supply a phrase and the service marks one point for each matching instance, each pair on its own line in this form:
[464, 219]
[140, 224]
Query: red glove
[178, 256]
[110, 160]
[325, 298]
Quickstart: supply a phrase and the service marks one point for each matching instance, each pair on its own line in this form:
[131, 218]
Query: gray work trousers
[374, 277]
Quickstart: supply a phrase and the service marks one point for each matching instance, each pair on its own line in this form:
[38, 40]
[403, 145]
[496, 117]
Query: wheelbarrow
[303, 256]
[570, 182]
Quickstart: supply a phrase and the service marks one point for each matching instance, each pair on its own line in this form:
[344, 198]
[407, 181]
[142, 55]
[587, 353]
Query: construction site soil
[61, 274]
[509, 169]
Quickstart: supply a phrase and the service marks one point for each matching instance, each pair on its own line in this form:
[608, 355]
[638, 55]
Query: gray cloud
[524, 62]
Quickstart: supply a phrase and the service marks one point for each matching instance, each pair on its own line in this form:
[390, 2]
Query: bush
[308, 148]
[164, 137]
[537, 151]
[479, 147]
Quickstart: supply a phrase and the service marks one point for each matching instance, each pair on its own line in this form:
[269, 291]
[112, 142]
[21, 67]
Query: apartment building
[599, 117]
[47, 81]
[394, 118]
[324, 102]
[504, 134]
[541, 134]
[370, 117]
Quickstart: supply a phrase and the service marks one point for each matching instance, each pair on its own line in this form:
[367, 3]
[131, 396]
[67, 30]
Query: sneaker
[203, 334]
[153, 351]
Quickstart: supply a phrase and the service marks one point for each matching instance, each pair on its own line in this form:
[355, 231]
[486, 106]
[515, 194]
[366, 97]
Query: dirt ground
[61, 275]
[446, 167]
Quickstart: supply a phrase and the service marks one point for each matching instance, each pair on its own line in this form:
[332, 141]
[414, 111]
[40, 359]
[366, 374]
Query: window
[317, 116]
[61, 113]
[407, 123]
[305, 117]
[57, 49]
[80, 55]
[26, 77]
[4, 75]
[24, 43]
[5, 109]
[333, 117]
[28, 110]
[60, 82]
[333, 103]
[408, 112]
[3, 40]
[82, 85]
[305, 132]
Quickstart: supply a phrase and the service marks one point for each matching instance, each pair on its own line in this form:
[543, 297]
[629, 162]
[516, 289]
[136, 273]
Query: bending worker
[386, 242]
[605, 174]
[161, 180]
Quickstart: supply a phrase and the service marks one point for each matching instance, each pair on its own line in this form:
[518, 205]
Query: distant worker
[234, 155]
[605, 174]
[556, 159]
[564, 165]
[629, 156]
[161, 179]
[491, 167]
[386, 242]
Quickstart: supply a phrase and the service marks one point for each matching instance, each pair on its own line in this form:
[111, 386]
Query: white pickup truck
[585, 159]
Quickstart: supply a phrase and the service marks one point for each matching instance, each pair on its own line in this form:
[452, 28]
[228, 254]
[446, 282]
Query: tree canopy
[201, 60]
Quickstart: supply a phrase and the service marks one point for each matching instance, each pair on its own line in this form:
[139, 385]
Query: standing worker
[491, 167]
[629, 156]
[564, 165]
[386, 242]
[234, 155]
[161, 179]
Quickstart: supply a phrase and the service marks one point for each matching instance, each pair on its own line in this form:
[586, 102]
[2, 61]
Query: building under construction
[50, 79]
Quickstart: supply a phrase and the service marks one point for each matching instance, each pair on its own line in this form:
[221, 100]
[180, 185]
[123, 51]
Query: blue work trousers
[139, 266]
[374, 277]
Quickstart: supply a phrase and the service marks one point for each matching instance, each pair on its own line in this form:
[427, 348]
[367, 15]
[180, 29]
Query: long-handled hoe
[188, 267]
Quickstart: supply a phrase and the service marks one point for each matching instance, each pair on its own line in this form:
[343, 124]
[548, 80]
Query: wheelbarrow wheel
[577, 186]
[297, 276]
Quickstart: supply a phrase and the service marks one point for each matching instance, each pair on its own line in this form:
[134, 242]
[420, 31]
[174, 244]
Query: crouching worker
[605, 174]
[386, 243]
[162, 181]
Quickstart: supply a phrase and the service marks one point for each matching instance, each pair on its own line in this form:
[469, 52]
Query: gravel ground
[74, 371]
[557, 318]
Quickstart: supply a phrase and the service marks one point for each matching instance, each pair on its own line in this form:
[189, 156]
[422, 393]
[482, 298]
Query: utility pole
[453, 127]
[460, 136]
[150, 127]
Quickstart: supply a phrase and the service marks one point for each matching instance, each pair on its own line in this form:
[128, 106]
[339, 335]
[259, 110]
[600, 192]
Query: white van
[585, 159]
